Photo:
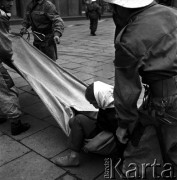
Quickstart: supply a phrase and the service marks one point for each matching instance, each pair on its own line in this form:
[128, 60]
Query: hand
[57, 39]
[23, 31]
[122, 135]
[85, 149]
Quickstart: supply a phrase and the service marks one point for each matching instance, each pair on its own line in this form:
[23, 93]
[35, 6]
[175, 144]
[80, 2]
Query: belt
[164, 88]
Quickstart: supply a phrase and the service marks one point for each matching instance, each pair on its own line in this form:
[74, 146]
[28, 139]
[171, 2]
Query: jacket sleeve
[99, 10]
[127, 86]
[86, 12]
[5, 44]
[26, 21]
[57, 22]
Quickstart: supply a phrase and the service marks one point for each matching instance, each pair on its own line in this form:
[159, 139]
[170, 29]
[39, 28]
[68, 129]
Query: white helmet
[130, 3]
[93, 0]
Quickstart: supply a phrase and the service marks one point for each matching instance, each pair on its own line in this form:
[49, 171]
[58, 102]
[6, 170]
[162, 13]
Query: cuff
[57, 33]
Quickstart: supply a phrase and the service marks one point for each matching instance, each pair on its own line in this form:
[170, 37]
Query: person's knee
[76, 120]
[71, 121]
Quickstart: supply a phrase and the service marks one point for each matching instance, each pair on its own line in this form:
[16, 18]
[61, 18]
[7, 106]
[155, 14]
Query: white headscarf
[103, 94]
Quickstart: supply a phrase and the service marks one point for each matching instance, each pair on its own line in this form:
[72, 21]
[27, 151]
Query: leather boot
[19, 127]
[2, 120]
[92, 33]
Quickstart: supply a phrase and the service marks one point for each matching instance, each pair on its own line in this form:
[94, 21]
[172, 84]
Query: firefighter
[46, 24]
[93, 12]
[9, 102]
[145, 51]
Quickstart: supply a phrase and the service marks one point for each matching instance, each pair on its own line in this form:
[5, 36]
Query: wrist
[56, 33]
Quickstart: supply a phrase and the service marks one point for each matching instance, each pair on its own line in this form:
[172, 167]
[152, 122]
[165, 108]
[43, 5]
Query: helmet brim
[130, 3]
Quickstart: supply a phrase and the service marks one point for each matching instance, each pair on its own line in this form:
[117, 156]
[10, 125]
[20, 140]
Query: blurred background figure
[46, 24]
[93, 12]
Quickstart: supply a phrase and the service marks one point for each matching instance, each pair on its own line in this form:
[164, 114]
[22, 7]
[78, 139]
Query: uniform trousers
[9, 102]
[93, 25]
[49, 49]
[158, 144]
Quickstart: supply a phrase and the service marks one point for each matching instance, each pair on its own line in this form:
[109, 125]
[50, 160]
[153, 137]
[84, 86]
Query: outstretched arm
[127, 89]
[57, 22]
[5, 43]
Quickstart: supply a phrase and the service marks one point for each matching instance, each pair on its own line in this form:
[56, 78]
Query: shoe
[2, 120]
[19, 127]
[92, 34]
[67, 161]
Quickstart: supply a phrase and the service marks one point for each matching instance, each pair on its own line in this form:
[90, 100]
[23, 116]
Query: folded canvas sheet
[58, 89]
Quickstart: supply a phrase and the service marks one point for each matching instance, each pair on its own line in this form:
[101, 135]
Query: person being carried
[93, 12]
[9, 102]
[100, 95]
[46, 24]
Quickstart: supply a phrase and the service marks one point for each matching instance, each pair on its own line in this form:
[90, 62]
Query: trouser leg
[93, 25]
[49, 49]
[166, 115]
[143, 157]
[170, 143]
[81, 128]
[9, 102]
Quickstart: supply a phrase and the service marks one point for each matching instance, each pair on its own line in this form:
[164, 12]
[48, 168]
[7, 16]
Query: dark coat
[146, 47]
[43, 18]
[93, 11]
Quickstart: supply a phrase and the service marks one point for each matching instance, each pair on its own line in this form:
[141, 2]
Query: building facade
[65, 7]
[72, 7]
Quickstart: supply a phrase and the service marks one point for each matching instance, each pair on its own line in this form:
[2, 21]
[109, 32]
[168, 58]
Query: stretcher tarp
[57, 88]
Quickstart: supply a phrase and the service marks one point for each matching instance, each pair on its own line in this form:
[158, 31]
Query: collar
[140, 10]
[131, 18]
[39, 2]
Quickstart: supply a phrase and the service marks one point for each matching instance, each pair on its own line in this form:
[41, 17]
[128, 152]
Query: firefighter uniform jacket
[146, 47]
[43, 18]
[93, 11]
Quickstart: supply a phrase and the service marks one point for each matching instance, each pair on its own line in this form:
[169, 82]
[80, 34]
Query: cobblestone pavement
[31, 155]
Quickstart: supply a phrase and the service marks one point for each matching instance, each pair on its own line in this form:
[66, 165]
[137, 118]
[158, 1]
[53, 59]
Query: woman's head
[100, 95]
[89, 95]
